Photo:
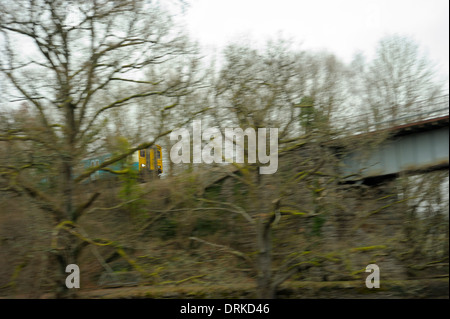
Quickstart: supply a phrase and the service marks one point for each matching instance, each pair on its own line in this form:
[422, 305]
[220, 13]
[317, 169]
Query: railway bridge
[414, 144]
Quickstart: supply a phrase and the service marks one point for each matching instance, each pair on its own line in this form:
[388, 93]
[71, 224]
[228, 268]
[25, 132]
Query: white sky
[339, 26]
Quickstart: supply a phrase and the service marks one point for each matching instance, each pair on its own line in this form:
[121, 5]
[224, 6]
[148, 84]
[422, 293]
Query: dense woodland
[119, 76]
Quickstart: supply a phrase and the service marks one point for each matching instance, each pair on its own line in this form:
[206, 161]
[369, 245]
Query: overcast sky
[339, 26]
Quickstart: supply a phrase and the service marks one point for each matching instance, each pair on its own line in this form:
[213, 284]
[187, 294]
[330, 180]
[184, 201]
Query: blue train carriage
[148, 162]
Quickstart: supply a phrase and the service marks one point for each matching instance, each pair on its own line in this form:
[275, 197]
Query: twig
[228, 249]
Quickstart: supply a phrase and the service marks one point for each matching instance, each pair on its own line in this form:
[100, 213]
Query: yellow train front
[150, 161]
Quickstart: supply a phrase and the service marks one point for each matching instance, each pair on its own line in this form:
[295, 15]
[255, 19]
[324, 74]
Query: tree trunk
[264, 262]
[67, 189]
[62, 258]
[67, 254]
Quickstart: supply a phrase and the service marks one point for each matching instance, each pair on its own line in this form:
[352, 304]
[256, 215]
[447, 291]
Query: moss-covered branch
[227, 249]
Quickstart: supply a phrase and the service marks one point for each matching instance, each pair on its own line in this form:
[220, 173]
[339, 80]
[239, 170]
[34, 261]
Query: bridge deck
[411, 147]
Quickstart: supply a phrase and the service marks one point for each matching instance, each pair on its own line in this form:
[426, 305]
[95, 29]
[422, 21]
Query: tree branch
[227, 249]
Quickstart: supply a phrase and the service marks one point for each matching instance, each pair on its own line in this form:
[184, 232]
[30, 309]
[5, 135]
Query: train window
[158, 154]
[142, 153]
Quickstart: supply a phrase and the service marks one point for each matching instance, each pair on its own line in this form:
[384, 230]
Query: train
[147, 162]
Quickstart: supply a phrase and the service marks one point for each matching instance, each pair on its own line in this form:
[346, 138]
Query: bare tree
[78, 55]
[425, 216]
[398, 78]
[257, 89]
